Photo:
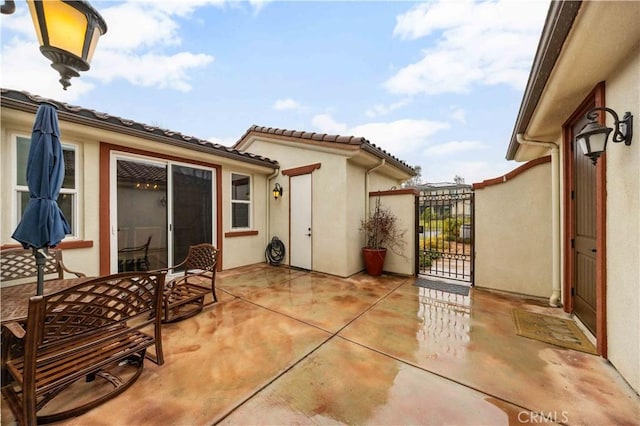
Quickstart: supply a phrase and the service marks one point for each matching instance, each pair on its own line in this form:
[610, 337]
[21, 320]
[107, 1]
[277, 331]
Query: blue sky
[438, 84]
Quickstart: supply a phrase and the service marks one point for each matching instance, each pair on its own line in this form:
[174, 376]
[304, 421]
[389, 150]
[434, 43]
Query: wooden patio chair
[184, 295]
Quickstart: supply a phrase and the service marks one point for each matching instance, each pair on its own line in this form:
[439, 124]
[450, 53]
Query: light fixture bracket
[623, 129]
[594, 135]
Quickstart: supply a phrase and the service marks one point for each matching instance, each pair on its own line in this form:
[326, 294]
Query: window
[67, 200]
[240, 201]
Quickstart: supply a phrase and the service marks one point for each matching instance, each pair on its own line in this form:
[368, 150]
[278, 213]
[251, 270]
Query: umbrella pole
[41, 256]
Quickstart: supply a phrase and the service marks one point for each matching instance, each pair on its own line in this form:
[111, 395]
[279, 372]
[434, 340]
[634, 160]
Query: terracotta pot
[374, 260]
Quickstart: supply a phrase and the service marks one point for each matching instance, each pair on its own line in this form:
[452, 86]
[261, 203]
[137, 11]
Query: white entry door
[301, 232]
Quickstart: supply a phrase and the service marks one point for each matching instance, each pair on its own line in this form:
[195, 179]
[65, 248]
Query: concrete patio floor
[290, 347]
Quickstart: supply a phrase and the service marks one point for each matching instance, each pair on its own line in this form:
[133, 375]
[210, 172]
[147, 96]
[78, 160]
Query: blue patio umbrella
[43, 225]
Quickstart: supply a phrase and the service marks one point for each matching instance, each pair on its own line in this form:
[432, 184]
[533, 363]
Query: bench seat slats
[53, 373]
[186, 293]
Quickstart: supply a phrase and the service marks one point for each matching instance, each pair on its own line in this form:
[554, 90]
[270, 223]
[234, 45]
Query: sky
[437, 84]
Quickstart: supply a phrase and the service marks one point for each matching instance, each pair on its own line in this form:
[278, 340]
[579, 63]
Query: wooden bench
[184, 296]
[18, 265]
[100, 328]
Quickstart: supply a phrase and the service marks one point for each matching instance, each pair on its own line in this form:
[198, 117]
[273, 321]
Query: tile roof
[28, 102]
[363, 143]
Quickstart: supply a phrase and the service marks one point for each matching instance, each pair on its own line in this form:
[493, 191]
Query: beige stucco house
[589, 56]
[128, 184]
[328, 182]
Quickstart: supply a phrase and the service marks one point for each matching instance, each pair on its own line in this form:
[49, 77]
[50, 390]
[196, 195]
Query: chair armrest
[15, 329]
[170, 268]
[65, 269]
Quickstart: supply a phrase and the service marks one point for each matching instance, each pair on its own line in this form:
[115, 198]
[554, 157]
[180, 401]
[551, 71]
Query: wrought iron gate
[446, 233]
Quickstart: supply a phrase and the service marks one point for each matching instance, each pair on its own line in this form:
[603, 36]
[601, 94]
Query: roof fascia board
[330, 147]
[390, 159]
[558, 24]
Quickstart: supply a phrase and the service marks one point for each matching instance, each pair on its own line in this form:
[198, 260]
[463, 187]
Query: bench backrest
[16, 264]
[85, 311]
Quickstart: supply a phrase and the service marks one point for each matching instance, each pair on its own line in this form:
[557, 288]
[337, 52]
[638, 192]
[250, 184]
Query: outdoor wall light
[68, 32]
[277, 191]
[593, 136]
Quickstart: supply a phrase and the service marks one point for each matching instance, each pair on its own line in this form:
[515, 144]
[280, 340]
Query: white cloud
[477, 43]
[136, 26]
[472, 171]
[381, 109]
[223, 141]
[326, 124]
[400, 136]
[258, 5]
[285, 104]
[163, 71]
[397, 137]
[459, 115]
[453, 147]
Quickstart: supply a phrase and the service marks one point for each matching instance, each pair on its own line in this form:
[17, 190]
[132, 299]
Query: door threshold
[585, 330]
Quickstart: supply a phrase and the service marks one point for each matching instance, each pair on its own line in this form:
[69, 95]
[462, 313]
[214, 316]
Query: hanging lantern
[68, 32]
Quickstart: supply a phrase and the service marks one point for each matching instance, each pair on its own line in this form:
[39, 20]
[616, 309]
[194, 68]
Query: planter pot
[374, 260]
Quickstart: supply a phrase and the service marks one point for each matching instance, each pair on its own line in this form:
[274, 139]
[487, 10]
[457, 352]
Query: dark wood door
[584, 194]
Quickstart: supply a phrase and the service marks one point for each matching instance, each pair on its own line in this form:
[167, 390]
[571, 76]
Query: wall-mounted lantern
[593, 136]
[68, 32]
[277, 191]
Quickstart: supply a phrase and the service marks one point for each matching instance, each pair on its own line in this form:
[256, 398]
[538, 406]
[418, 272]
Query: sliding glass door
[158, 209]
[192, 209]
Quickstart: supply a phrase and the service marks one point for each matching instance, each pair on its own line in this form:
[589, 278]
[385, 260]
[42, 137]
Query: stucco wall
[402, 204]
[236, 251]
[330, 249]
[513, 233]
[329, 216]
[355, 213]
[244, 249]
[623, 226]
[338, 202]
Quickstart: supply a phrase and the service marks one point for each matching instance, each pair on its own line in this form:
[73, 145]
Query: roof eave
[323, 138]
[558, 23]
[367, 147]
[194, 144]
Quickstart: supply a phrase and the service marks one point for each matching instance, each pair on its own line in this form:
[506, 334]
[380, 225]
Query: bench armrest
[15, 329]
[65, 269]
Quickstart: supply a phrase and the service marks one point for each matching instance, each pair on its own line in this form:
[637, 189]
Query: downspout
[366, 185]
[554, 300]
[268, 184]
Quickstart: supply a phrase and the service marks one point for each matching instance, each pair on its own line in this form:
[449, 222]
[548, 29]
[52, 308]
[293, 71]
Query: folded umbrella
[43, 225]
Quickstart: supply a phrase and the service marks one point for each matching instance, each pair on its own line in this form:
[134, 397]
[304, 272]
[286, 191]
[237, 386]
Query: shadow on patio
[284, 346]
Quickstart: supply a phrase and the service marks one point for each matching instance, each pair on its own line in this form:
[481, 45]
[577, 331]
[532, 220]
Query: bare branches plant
[382, 231]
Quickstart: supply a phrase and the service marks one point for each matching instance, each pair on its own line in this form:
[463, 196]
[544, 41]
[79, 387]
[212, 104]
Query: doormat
[462, 290]
[556, 331]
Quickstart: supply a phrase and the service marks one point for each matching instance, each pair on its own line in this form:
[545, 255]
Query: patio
[288, 347]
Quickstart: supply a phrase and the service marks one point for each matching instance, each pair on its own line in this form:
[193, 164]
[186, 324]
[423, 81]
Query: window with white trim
[240, 201]
[67, 200]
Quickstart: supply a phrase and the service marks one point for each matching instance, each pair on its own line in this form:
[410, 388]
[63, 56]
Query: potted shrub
[381, 233]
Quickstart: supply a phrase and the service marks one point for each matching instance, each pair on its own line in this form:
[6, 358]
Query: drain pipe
[554, 300]
[366, 185]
